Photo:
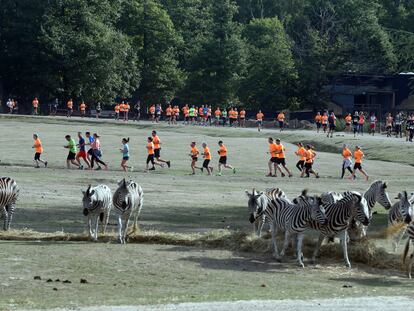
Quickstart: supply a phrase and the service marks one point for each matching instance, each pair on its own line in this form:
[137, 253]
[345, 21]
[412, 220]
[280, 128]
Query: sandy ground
[361, 304]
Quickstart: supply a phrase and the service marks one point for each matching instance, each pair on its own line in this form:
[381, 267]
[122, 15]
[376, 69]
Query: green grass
[183, 207]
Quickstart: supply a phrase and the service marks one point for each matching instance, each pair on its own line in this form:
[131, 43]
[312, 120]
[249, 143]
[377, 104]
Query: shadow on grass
[374, 282]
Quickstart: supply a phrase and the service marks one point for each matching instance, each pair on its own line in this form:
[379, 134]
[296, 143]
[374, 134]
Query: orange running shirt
[152, 110]
[82, 107]
[217, 113]
[156, 141]
[281, 117]
[168, 111]
[348, 119]
[318, 118]
[150, 148]
[358, 155]
[259, 116]
[207, 154]
[35, 103]
[116, 108]
[272, 150]
[194, 151]
[223, 151]
[324, 119]
[38, 146]
[309, 156]
[281, 151]
[70, 104]
[346, 153]
[242, 114]
[301, 152]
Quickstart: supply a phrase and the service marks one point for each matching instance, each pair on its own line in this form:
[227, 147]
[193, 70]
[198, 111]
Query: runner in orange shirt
[310, 158]
[325, 122]
[235, 117]
[175, 114]
[207, 158]
[194, 153]
[223, 159]
[200, 119]
[117, 108]
[318, 120]
[150, 157]
[169, 114]
[38, 151]
[281, 158]
[152, 113]
[157, 149]
[273, 161]
[358, 155]
[70, 108]
[217, 114]
[82, 109]
[242, 117]
[281, 119]
[186, 115]
[348, 121]
[231, 116]
[259, 120]
[127, 107]
[301, 153]
[346, 163]
[35, 104]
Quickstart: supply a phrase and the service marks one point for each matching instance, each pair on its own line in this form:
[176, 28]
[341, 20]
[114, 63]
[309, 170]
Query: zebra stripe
[9, 192]
[339, 215]
[410, 263]
[127, 199]
[97, 202]
[400, 212]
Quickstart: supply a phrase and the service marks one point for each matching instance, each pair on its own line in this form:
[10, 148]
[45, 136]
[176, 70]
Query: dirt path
[374, 303]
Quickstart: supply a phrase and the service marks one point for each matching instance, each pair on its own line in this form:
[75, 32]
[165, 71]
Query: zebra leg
[120, 229]
[285, 243]
[90, 226]
[318, 247]
[299, 244]
[274, 243]
[398, 238]
[410, 265]
[5, 216]
[126, 225]
[10, 210]
[96, 224]
[105, 221]
[343, 239]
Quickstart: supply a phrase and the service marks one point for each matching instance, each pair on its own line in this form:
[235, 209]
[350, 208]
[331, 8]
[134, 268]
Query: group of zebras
[97, 204]
[331, 214]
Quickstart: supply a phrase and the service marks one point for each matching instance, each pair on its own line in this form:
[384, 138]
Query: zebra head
[378, 192]
[363, 214]
[318, 211]
[404, 206]
[123, 194]
[88, 199]
[257, 202]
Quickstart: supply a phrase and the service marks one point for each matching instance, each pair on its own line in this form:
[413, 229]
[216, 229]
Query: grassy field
[176, 203]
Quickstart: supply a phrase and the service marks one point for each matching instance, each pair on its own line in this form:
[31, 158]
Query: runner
[358, 155]
[281, 120]
[205, 115]
[410, 128]
[223, 159]
[89, 143]
[191, 114]
[157, 149]
[273, 161]
[158, 112]
[35, 104]
[224, 115]
[347, 162]
[281, 158]
[235, 117]
[122, 110]
[72, 153]
[137, 111]
[168, 114]
[301, 153]
[242, 115]
[127, 108]
[98, 110]
[325, 122]
[82, 151]
[372, 123]
[82, 109]
[310, 157]
[207, 158]
[194, 157]
[348, 120]
[388, 124]
[152, 113]
[332, 124]
[150, 157]
[55, 106]
[186, 114]
[176, 115]
[318, 120]
[361, 123]
[125, 155]
[217, 114]
[97, 153]
[117, 109]
[209, 114]
[200, 115]
[70, 108]
[195, 115]
[259, 120]
[355, 122]
[398, 125]
[38, 151]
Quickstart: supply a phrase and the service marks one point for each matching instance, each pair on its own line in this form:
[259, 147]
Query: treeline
[262, 53]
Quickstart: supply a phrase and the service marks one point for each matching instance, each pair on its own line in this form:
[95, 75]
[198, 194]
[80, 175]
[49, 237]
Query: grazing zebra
[97, 202]
[410, 233]
[9, 192]
[339, 215]
[127, 199]
[400, 212]
[330, 197]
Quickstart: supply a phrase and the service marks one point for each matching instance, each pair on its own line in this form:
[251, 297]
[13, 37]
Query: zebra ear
[248, 194]
[83, 192]
[384, 185]
[254, 191]
[305, 192]
[124, 183]
[92, 192]
[89, 189]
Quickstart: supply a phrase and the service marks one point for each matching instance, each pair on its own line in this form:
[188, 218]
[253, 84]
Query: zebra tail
[406, 249]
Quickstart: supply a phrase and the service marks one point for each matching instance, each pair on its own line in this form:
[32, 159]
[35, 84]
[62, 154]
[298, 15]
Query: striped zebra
[339, 215]
[400, 212]
[9, 192]
[410, 233]
[97, 202]
[127, 199]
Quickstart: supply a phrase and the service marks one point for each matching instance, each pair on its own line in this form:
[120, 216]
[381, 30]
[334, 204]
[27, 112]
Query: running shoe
[46, 164]
[98, 168]
[169, 164]
[152, 169]
[234, 170]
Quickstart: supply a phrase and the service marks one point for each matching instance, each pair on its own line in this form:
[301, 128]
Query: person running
[301, 153]
[358, 155]
[348, 120]
[355, 122]
[325, 122]
[35, 104]
[372, 123]
[137, 111]
[259, 120]
[410, 128]
[89, 143]
[361, 123]
[150, 157]
[242, 117]
[72, 153]
[157, 149]
[158, 112]
[273, 161]
[398, 125]
[82, 151]
[186, 114]
[194, 157]
[281, 158]
[37, 146]
[281, 120]
[200, 115]
[332, 124]
[168, 114]
[98, 110]
[176, 115]
[217, 114]
[82, 109]
[388, 124]
[152, 113]
[209, 114]
[347, 162]
[224, 116]
[69, 105]
[55, 105]
[223, 159]
[206, 115]
[310, 157]
[127, 108]
[191, 114]
[117, 109]
[125, 155]
[207, 158]
[97, 153]
[318, 121]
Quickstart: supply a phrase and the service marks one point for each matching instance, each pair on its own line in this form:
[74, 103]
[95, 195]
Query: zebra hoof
[301, 265]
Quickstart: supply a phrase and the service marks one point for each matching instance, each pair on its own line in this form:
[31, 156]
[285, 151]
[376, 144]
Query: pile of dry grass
[364, 252]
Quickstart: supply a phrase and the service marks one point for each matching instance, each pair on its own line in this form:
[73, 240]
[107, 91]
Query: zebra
[127, 199]
[9, 192]
[410, 233]
[400, 212]
[339, 215]
[97, 202]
